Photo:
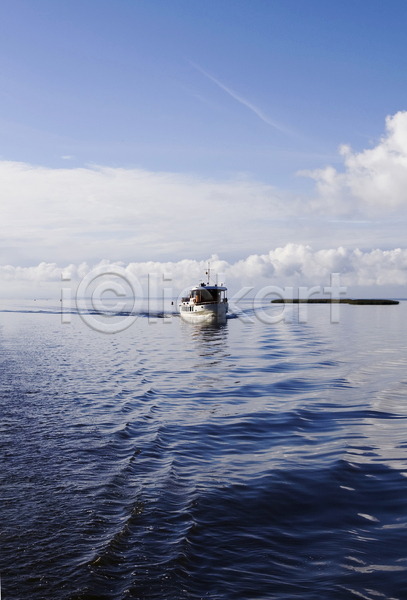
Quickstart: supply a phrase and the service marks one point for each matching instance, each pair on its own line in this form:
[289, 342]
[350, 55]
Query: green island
[361, 301]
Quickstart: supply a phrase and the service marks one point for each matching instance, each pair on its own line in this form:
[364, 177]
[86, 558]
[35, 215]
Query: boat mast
[208, 273]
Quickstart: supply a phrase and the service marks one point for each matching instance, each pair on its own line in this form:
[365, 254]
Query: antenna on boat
[208, 273]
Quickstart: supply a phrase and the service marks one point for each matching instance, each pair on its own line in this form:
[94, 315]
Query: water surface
[172, 461]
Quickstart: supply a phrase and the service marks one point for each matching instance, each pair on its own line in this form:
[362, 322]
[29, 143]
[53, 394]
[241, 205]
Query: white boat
[205, 302]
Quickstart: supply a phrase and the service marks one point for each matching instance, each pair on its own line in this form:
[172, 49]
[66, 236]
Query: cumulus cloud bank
[88, 213]
[62, 216]
[292, 264]
[374, 180]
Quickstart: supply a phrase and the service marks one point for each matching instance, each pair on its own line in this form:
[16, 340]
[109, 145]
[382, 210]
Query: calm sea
[175, 461]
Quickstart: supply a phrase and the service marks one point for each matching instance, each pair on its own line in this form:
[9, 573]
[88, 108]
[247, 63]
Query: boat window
[202, 295]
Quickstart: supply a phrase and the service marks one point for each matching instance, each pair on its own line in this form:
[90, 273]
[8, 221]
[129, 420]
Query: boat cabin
[206, 294]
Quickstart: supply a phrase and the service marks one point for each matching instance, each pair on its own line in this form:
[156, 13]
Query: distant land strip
[330, 301]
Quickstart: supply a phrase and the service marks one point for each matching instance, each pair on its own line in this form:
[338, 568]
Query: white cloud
[89, 213]
[374, 179]
[289, 265]
[77, 215]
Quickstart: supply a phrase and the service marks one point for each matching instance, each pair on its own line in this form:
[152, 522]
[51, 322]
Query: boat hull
[203, 313]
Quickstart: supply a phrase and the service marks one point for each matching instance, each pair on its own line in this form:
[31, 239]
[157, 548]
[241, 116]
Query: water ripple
[229, 462]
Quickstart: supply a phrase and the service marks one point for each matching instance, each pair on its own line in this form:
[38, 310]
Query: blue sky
[112, 82]
[128, 126]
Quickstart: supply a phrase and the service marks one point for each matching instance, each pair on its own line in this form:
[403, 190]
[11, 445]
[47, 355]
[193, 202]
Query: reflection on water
[209, 344]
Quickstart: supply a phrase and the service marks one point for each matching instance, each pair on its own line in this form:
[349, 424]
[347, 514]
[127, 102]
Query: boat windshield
[204, 295]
